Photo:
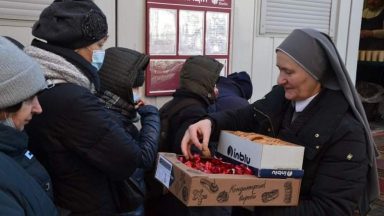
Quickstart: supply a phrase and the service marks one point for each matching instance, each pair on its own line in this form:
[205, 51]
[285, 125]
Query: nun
[314, 104]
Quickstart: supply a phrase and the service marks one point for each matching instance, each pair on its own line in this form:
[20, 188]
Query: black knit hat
[199, 74]
[71, 24]
[122, 70]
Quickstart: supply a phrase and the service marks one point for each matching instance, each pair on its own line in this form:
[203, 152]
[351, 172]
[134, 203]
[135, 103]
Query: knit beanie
[199, 74]
[122, 70]
[20, 76]
[243, 81]
[71, 24]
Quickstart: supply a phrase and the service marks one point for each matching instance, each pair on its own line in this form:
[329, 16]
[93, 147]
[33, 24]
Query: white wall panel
[131, 24]
[262, 67]
[109, 9]
[242, 35]
[353, 38]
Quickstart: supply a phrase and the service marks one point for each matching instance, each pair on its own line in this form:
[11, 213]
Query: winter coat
[193, 108]
[335, 159]
[190, 102]
[83, 148]
[230, 96]
[25, 186]
[130, 128]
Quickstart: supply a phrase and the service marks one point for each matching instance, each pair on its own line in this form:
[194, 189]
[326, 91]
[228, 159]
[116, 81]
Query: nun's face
[297, 83]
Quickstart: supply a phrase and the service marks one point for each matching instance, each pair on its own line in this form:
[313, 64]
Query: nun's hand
[197, 134]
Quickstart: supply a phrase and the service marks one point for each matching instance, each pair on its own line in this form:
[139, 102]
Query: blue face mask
[136, 95]
[98, 58]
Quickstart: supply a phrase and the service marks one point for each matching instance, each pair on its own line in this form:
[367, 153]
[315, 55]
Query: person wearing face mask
[84, 150]
[121, 75]
[25, 186]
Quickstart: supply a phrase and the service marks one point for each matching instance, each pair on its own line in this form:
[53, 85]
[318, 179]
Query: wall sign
[178, 29]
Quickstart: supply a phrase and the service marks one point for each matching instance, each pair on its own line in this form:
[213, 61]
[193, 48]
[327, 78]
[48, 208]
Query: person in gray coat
[25, 186]
[314, 105]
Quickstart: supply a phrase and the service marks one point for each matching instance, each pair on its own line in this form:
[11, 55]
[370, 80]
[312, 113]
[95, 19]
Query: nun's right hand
[197, 134]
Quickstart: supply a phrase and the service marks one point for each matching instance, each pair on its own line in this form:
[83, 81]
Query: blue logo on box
[231, 152]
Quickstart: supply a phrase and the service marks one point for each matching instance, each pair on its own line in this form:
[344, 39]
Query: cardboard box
[195, 188]
[282, 156]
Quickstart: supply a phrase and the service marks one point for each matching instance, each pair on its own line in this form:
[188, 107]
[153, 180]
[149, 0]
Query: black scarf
[116, 103]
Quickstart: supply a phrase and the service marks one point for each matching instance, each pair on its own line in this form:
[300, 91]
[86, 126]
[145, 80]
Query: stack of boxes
[277, 187]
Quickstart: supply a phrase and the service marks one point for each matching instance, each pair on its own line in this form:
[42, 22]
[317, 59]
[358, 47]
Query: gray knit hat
[20, 76]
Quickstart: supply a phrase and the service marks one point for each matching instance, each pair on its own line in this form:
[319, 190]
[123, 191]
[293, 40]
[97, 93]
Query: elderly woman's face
[86, 52]
[297, 83]
[29, 107]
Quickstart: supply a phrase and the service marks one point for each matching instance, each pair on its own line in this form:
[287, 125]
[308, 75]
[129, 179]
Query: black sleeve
[265, 111]
[149, 135]
[91, 133]
[181, 123]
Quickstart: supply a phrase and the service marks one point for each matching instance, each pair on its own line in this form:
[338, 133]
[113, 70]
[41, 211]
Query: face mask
[98, 58]
[136, 97]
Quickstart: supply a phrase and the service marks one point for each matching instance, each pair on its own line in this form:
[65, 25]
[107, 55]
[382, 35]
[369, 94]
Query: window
[282, 16]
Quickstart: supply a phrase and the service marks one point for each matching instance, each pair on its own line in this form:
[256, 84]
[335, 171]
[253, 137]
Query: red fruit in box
[215, 165]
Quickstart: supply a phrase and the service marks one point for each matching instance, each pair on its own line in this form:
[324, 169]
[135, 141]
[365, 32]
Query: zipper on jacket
[269, 120]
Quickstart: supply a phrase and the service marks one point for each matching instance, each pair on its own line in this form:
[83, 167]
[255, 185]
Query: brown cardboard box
[195, 188]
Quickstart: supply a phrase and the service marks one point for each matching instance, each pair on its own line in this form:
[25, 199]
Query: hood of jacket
[199, 75]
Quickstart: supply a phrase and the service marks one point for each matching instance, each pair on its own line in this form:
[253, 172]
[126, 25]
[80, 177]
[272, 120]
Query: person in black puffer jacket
[76, 138]
[121, 75]
[25, 186]
[197, 91]
[190, 102]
